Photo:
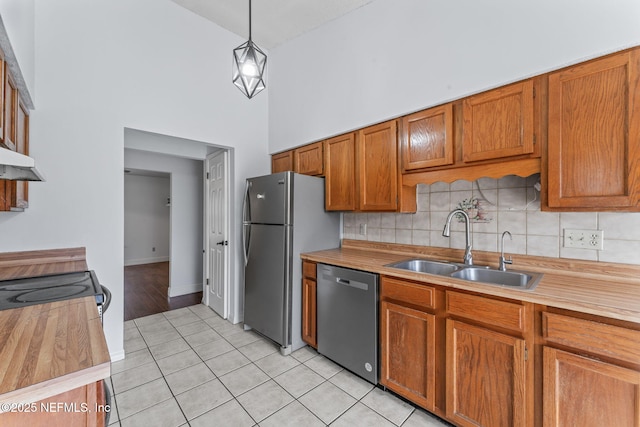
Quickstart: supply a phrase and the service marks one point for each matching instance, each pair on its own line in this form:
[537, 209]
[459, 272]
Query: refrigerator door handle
[246, 205]
[246, 237]
[246, 225]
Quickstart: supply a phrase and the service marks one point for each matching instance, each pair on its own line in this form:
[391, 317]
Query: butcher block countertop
[604, 289]
[48, 349]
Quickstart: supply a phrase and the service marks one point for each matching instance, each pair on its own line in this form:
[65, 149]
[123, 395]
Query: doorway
[185, 161]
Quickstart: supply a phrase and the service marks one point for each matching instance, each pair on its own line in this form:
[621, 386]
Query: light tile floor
[191, 367]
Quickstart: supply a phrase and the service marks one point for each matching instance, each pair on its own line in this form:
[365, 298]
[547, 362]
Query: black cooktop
[16, 293]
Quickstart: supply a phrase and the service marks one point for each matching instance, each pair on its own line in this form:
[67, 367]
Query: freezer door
[267, 286]
[268, 199]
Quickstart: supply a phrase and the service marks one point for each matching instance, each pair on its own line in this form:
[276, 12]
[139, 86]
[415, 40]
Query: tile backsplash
[510, 203]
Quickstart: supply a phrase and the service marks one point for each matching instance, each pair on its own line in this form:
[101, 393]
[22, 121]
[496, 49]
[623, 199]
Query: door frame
[205, 252]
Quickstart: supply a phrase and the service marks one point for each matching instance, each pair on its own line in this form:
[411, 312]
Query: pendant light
[249, 66]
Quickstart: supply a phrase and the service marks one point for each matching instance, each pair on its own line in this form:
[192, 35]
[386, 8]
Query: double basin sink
[472, 273]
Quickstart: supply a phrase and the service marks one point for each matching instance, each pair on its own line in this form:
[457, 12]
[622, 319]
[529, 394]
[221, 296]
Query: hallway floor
[146, 289]
[191, 367]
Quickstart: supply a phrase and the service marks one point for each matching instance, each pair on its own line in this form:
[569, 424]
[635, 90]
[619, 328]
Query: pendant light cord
[249, 20]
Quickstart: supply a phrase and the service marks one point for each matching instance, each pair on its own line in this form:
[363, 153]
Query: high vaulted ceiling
[273, 21]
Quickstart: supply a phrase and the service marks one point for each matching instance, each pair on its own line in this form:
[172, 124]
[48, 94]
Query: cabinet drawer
[409, 292]
[593, 337]
[309, 269]
[504, 314]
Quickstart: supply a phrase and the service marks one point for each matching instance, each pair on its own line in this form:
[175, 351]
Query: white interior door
[217, 229]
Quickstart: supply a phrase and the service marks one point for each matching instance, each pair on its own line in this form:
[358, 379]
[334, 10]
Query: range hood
[18, 167]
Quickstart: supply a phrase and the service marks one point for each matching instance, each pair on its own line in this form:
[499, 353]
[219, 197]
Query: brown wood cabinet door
[85, 406]
[485, 377]
[427, 138]
[10, 110]
[309, 160]
[407, 353]
[339, 173]
[594, 131]
[309, 317]
[377, 165]
[499, 123]
[579, 391]
[282, 162]
[20, 195]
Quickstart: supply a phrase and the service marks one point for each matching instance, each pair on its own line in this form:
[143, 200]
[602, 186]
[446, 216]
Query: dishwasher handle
[352, 283]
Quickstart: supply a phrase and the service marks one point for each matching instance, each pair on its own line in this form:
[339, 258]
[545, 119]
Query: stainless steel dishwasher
[347, 310]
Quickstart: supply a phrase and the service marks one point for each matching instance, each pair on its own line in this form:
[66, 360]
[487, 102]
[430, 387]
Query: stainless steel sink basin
[514, 279]
[472, 273]
[426, 266]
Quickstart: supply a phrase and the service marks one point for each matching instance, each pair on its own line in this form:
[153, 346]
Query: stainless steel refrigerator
[283, 216]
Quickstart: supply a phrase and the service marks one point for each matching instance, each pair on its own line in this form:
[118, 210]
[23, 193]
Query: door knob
[223, 243]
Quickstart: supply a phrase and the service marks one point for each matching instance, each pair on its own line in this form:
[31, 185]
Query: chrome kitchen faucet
[468, 258]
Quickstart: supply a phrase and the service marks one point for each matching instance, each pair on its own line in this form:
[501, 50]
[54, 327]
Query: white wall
[146, 218]
[106, 65]
[392, 57]
[186, 215]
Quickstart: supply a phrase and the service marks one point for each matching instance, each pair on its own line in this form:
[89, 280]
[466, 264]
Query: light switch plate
[584, 239]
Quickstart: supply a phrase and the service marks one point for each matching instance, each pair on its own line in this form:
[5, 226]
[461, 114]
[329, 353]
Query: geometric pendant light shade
[249, 66]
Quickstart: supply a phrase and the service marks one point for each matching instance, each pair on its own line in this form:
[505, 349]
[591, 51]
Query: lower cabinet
[80, 407]
[408, 358]
[489, 374]
[593, 380]
[478, 360]
[580, 391]
[407, 353]
[485, 377]
[309, 316]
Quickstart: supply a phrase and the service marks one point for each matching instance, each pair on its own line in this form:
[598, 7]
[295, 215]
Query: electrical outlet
[363, 229]
[153, 249]
[584, 239]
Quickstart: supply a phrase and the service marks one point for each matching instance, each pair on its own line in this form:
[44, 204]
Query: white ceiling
[273, 21]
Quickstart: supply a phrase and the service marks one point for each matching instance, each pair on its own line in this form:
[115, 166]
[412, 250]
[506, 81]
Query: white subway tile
[622, 226]
[440, 201]
[543, 246]
[388, 235]
[578, 220]
[623, 251]
[374, 220]
[404, 237]
[404, 221]
[421, 237]
[387, 220]
[543, 223]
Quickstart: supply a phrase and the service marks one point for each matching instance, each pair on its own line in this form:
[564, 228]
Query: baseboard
[145, 260]
[117, 355]
[184, 289]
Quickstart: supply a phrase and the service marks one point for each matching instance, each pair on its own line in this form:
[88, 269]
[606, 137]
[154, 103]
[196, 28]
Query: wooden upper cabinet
[282, 162]
[10, 110]
[499, 123]
[594, 134]
[427, 138]
[378, 167]
[340, 174]
[309, 160]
